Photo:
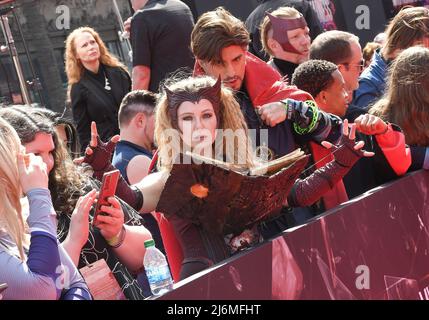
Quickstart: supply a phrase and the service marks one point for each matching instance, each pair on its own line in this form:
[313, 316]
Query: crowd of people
[360, 115]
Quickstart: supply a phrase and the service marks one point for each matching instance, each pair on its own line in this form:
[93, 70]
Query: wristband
[117, 240]
[387, 130]
[290, 108]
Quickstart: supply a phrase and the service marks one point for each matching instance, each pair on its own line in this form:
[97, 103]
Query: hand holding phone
[108, 189]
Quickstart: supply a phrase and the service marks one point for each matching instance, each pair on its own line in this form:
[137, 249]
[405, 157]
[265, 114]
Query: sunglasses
[361, 65]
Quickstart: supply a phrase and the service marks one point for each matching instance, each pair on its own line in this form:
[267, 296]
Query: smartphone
[3, 287]
[108, 189]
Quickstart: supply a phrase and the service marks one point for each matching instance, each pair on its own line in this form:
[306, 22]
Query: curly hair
[314, 76]
[65, 181]
[59, 120]
[74, 68]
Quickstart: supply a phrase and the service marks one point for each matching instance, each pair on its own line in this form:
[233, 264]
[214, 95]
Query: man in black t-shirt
[160, 38]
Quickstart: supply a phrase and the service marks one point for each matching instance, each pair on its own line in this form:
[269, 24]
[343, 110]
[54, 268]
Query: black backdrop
[239, 8]
[345, 16]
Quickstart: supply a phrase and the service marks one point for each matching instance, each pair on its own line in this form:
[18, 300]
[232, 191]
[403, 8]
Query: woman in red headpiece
[189, 115]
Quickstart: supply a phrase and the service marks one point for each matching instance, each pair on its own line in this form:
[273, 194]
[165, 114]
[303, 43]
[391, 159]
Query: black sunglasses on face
[361, 65]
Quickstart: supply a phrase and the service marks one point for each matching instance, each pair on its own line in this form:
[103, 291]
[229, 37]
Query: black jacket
[90, 101]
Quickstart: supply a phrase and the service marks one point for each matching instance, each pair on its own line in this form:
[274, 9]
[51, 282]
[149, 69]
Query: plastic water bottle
[157, 270]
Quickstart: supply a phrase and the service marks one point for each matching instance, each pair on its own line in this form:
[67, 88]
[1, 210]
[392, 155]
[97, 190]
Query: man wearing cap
[285, 36]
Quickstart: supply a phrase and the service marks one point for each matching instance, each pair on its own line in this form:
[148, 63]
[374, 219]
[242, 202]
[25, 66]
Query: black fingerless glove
[307, 191]
[100, 159]
[345, 153]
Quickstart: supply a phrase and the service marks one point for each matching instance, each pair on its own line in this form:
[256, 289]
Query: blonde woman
[118, 236]
[97, 83]
[31, 260]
